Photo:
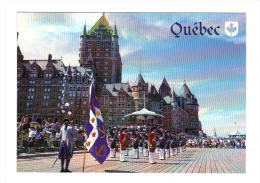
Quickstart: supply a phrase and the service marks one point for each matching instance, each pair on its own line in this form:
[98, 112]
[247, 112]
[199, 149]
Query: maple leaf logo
[231, 28]
[93, 120]
[98, 113]
[94, 134]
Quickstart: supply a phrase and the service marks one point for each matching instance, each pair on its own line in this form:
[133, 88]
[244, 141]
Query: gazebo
[236, 134]
[144, 114]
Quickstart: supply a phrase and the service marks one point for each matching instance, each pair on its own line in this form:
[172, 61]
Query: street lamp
[65, 109]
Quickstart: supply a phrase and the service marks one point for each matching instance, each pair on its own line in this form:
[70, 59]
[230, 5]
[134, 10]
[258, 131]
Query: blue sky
[214, 67]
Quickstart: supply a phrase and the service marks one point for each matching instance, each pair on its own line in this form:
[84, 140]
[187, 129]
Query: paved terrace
[193, 160]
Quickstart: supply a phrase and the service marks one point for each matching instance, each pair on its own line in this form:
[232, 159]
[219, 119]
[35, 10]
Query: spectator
[31, 139]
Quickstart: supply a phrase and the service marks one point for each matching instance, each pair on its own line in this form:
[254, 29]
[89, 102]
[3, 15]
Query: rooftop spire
[84, 33]
[69, 71]
[115, 31]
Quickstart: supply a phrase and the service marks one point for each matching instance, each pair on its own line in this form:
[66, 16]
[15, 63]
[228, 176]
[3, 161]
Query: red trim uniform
[123, 142]
[152, 143]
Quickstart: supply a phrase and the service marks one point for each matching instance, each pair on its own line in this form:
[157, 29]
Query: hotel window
[89, 44]
[123, 111]
[105, 80]
[123, 119]
[83, 112]
[110, 119]
[128, 103]
[106, 54]
[114, 110]
[84, 103]
[70, 94]
[58, 104]
[71, 103]
[105, 68]
[97, 55]
[110, 111]
[59, 97]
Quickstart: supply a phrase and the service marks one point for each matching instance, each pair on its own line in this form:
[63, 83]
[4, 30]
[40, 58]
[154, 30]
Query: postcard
[131, 92]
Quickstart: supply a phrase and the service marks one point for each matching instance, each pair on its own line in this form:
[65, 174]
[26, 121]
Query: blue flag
[95, 130]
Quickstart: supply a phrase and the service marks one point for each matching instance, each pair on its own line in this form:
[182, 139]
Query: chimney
[49, 58]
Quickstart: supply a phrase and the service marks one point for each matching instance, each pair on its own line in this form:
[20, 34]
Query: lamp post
[65, 110]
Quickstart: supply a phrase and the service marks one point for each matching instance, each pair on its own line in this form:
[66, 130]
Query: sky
[213, 67]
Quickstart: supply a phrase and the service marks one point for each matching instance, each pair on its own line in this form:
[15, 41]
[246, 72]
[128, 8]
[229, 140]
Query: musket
[55, 162]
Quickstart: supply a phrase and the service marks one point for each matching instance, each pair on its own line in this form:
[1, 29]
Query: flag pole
[89, 93]
[84, 157]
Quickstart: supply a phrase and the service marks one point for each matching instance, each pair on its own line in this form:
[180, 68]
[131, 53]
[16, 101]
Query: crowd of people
[137, 137]
[216, 142]
[45, 131]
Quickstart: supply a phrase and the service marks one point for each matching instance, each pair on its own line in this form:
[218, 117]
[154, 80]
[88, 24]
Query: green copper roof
[103, 21]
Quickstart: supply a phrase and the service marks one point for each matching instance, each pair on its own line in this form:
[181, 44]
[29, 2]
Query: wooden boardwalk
[193, 160]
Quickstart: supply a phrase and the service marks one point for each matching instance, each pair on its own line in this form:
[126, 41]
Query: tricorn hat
[153, 128]
[123, 129]
[66, 120]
